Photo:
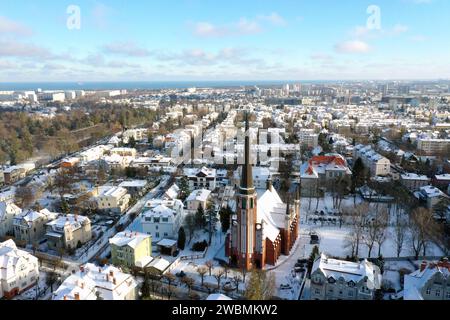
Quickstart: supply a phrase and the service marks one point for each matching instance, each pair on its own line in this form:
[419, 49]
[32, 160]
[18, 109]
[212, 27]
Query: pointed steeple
[247, 170]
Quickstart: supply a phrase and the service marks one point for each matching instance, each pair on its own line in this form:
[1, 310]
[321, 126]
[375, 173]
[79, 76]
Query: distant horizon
[175, 84]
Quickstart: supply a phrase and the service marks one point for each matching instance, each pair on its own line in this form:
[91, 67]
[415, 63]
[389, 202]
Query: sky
[182, 40]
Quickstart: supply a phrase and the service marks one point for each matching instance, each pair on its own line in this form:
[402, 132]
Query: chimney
[77, 296]
[423, 266]
[82, 269]
[65, 297]
[269, 185]
[82, 285]
[111, 273]
[114, 281]
[107, 278]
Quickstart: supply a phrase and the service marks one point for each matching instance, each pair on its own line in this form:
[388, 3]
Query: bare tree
[209, 264]
[189, 282]
[423, 229]
[400, 229]
[382, 222]
[202, 272]
[218, 276]
[237, 280]
[357, 218]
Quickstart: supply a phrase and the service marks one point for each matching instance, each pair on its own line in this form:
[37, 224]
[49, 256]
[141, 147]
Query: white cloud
[399, 28]
[274, 19]
[355, 46]
[243, 26]
[10, 27]
[128, 49]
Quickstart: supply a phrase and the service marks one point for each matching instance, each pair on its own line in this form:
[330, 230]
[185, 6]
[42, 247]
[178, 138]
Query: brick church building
[264, 227]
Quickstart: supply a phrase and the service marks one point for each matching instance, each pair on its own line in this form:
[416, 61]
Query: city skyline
[208, 41]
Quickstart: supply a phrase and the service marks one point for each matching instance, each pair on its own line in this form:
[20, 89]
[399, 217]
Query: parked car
[314, 239]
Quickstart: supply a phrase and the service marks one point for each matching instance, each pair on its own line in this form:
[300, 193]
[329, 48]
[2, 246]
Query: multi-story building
[309, 138]
[433, 146]
[322, 172]
[430, 282]
[414, 182]
[19, 270]
[68, 232]
[30, 226]
[97, 283]
[430, 196]
[161, 219]
[113, 199]
[376, 163]
[204, 178]
[333, 279]
[129, 248]
[8, 211]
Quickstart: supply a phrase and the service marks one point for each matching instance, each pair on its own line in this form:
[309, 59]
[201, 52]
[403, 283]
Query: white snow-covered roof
[11, 257]
[133, 184]
[159, 264]
[8, 208]
[128, 238]
[415, 281]
[349, 271]
[199, 195]
[108, 281]
[167, 243]
[218, 296]
[172, 192]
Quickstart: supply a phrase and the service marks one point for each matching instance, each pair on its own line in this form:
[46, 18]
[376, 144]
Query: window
[428, 291]
[157, 234]
[350, 293]
[448, 295]
[317, 291]
[438, 293]
[244, 203]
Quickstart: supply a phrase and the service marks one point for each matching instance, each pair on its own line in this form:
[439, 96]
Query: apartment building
[433, 146]
[376, 163]
[198, 198]
[309, 138]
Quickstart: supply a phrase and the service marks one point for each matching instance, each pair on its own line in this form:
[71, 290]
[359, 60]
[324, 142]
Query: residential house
[30, 226]
[430, 196]
[19, 270]
[162, 219]
[430, 282]
[128, 248]
[414, 182]
[68, 232]
[92, 282]
[204, 178]
[8, 211]
[198, 198]
[333, 279]
[321, 172]
[113, 199]
[135, 187]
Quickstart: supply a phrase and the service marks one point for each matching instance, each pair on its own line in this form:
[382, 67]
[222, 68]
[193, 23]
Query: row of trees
[370, 226]
[25, 135]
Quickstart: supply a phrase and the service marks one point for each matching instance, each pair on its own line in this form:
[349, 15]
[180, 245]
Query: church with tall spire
[264, 227]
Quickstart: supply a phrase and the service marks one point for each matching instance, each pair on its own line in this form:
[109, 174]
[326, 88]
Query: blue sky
[156, 40]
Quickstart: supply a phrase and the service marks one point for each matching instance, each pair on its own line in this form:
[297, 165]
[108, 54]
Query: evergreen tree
[358, 174]
[225, 216]
[181, 239]
[200, 220]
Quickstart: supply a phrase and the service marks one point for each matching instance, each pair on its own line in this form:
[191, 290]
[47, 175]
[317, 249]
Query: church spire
[247, 170]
